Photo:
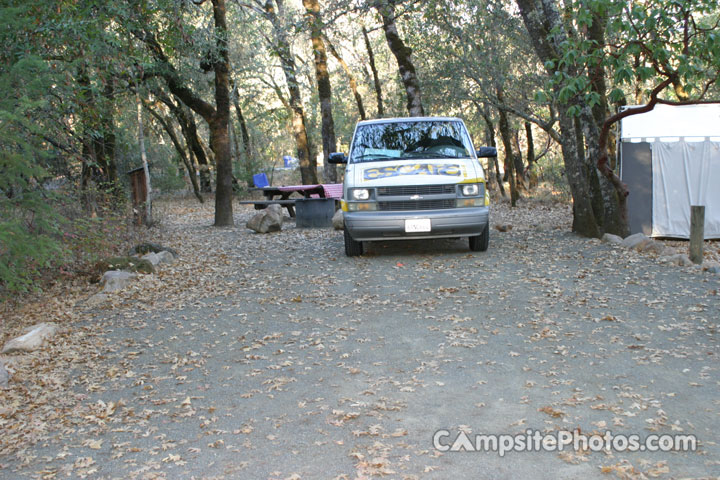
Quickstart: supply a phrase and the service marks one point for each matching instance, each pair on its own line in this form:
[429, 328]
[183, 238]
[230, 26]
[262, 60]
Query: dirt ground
[277, 357]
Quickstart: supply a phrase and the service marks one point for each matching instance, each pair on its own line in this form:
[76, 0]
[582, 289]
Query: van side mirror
[484, 152]
[337, 157]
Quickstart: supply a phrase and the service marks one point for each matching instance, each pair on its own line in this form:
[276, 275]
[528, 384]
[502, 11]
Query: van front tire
[480, 243]
[352, 248]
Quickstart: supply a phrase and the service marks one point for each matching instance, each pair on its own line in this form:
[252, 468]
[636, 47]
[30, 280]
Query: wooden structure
[697, 233]
[331, 190]
[138, 183]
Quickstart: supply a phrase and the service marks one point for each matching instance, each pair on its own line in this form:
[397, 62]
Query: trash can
[314, 212]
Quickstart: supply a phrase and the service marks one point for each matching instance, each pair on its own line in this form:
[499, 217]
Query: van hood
[430, 171]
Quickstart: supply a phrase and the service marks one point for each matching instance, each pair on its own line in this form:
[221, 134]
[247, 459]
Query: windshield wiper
[371, 156]
[428, 155]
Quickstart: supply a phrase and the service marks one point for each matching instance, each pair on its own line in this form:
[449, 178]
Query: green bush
[30, 228]
[552, 173]
[166, 176]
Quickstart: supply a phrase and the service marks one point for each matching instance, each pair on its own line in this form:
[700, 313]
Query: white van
[414, 178]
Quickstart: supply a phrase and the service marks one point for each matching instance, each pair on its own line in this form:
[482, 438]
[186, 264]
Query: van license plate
[417, 225]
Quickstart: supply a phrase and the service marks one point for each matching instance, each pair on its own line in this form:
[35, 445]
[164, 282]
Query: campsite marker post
[697, 233]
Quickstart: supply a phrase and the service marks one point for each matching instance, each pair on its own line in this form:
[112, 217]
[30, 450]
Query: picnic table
[281, 195]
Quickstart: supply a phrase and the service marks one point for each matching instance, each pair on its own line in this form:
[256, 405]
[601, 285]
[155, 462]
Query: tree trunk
[190, 132]
[376, 77]
[512, 154]
[308, 164]
[402, 54]
[532, 173]
[519, 165]
[244, 134]
[147, 213]
[584, 221]
[490, 139]
[324, 88]
[219, 124]
[351, 79]
[506, 136]
[182, 153]
[247, 151]
[217, 117]
[546, 29]
[188, 127]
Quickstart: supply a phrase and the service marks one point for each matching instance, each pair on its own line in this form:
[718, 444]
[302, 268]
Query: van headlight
[360, 194]
[470, 190]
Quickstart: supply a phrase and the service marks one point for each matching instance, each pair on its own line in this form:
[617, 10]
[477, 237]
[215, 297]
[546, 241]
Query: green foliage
[643, 44]
[131, 264]
[29, 227]
[166, 174]
[552, 173]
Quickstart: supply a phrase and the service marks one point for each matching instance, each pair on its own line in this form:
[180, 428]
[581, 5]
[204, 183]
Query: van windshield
[378, 142]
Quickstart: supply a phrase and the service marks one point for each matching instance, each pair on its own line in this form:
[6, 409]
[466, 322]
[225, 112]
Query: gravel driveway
[275, 356]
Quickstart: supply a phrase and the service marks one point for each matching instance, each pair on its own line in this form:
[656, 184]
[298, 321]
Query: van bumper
[456, 222]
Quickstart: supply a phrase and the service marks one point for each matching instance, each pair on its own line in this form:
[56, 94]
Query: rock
[679, 260]
[149, 247]
[633, 241]
[116, 280]
[166, 256]
[267, 220]
[711, 267]
[130, 264]
[503, 227]
[33, 338]
[613, 239]
[338, 220]
[651, 246]
[152, 258]
[4, 375]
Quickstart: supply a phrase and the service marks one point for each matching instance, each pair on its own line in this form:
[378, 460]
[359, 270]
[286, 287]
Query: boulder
[166, 256]
[115, 280]
[4, 375]
[130, 264]
[152, 258]
[149, 247]
[267, 220]
[33, 338]
[634, 241]
[711, 267]
[651, 246]
[338, 220]
[613, 239]
[679, 260]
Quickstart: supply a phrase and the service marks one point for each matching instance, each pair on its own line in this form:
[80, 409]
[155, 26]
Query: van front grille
[407, 190]
[405, 205]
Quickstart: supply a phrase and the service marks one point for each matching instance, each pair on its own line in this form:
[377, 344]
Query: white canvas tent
[670, 160]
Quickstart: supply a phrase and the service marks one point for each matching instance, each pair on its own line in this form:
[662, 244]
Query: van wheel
[480, 243]
[352, 248]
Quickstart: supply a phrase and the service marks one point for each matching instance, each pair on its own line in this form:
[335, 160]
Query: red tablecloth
[333, 190]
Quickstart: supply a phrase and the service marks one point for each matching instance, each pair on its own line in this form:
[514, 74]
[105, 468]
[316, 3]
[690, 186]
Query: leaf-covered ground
[275, 356]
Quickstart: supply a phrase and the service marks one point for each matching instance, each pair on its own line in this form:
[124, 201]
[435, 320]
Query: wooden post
[697, 233]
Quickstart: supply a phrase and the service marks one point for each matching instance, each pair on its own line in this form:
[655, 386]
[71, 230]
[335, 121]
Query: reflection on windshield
[409, 140]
